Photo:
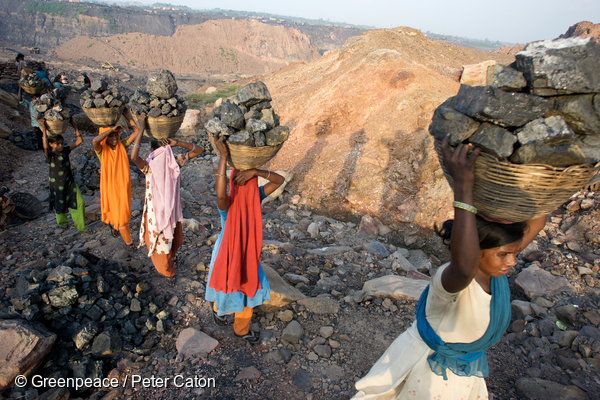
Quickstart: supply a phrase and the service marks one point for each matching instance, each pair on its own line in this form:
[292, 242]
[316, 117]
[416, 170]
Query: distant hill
[582, 29]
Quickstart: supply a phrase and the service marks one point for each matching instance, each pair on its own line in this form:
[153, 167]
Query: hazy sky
[517, 21]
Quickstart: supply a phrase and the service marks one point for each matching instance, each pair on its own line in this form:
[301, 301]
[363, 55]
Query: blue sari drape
[467, 359]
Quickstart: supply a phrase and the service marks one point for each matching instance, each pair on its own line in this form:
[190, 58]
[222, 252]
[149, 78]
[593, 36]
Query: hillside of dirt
[360, 115]
[213, 47]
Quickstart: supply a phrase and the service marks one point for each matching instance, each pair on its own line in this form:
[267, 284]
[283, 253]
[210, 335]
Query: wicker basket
[246, 157]
[35, 90]
[27, 205]
[520, 192]
[54, 128]
[162, 127]
[103, 116]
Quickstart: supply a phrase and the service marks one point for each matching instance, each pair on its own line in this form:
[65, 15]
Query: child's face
[113, 139]
[57, 146]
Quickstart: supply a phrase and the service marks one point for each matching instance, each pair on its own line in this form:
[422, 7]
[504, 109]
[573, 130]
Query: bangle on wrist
[224, 176]
[464, 206]
[269, 175]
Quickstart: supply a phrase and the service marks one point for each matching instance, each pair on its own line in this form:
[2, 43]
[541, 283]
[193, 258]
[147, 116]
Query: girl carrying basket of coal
[161, 228]
[236, 280]
[465, 309]
[115, 178]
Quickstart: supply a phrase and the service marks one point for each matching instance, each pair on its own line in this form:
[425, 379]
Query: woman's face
[112, 139]
[498, 260]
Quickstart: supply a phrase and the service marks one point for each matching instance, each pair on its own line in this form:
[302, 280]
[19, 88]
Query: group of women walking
[464, 311]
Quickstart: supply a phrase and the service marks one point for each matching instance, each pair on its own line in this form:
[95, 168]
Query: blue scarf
[466, 359]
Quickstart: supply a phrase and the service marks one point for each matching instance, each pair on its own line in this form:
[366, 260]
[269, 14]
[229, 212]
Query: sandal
[219, 320]
[249, 337]
[114, 232]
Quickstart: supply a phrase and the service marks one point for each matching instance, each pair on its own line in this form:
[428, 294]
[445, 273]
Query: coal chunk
[162, 84]
[232, 116]
[494, 140]
[242, 138]
[277, 135]
[253, 93]
[489, 104]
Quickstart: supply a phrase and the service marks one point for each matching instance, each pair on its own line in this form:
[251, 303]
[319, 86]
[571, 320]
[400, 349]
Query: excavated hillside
[219, 46]
[359, 116]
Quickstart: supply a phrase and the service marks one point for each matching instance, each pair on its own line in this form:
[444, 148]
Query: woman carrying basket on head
[161, 228]
[236, 280]
[464, 310]
[115, 178]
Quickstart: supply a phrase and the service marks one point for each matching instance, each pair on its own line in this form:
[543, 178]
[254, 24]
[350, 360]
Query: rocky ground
[316, 346]
[311, 349]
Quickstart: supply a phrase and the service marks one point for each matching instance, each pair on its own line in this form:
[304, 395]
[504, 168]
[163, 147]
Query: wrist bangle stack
[224, 176]
[464, 206]
[136, 145]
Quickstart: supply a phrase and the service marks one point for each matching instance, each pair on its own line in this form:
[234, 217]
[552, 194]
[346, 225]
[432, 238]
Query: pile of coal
[52, 107]
[542, 109]
[99, 95]
[31, 80]
[159, 99]
[98, 312]
[248, 118]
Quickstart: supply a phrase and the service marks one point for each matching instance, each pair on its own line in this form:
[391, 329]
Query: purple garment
[164, 181]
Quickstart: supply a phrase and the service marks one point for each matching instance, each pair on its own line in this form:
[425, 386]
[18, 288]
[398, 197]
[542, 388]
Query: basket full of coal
[537, 122]
[250, 126]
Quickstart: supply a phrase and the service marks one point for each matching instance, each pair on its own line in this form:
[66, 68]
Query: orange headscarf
[115, 185]
[236, 265]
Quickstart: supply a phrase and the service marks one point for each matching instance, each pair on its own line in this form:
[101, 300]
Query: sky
[512, 21]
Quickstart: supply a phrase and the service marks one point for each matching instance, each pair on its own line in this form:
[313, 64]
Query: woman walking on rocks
[161, 221]
[64, 192]
[236, 280]
[115, 178]
[465, 309]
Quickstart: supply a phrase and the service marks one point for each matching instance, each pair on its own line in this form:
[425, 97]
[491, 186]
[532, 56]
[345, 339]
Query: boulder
[476, 74]
[535, 388]
[561, 66]
[256, 125]
[494, 140]
[395, 287]
[377, 248]
[400, 262]
[259, 139]
[216, 127]
[192, 123]
[248, 373]
[320, 305]
[534, 281]
[23, 347]
[194, 343]
[489, 104]
[161, 84]
[520, 309]
[282, 293]
[269, 117]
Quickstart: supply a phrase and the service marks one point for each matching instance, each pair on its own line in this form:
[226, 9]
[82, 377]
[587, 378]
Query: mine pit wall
[50, 31]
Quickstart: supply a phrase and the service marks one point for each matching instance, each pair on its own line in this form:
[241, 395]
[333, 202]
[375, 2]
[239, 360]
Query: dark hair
[154, 144]
[19, 57]
[55, 139]
[491, 234]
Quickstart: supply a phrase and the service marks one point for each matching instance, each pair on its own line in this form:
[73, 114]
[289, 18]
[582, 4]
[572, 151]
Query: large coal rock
[162, 84]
